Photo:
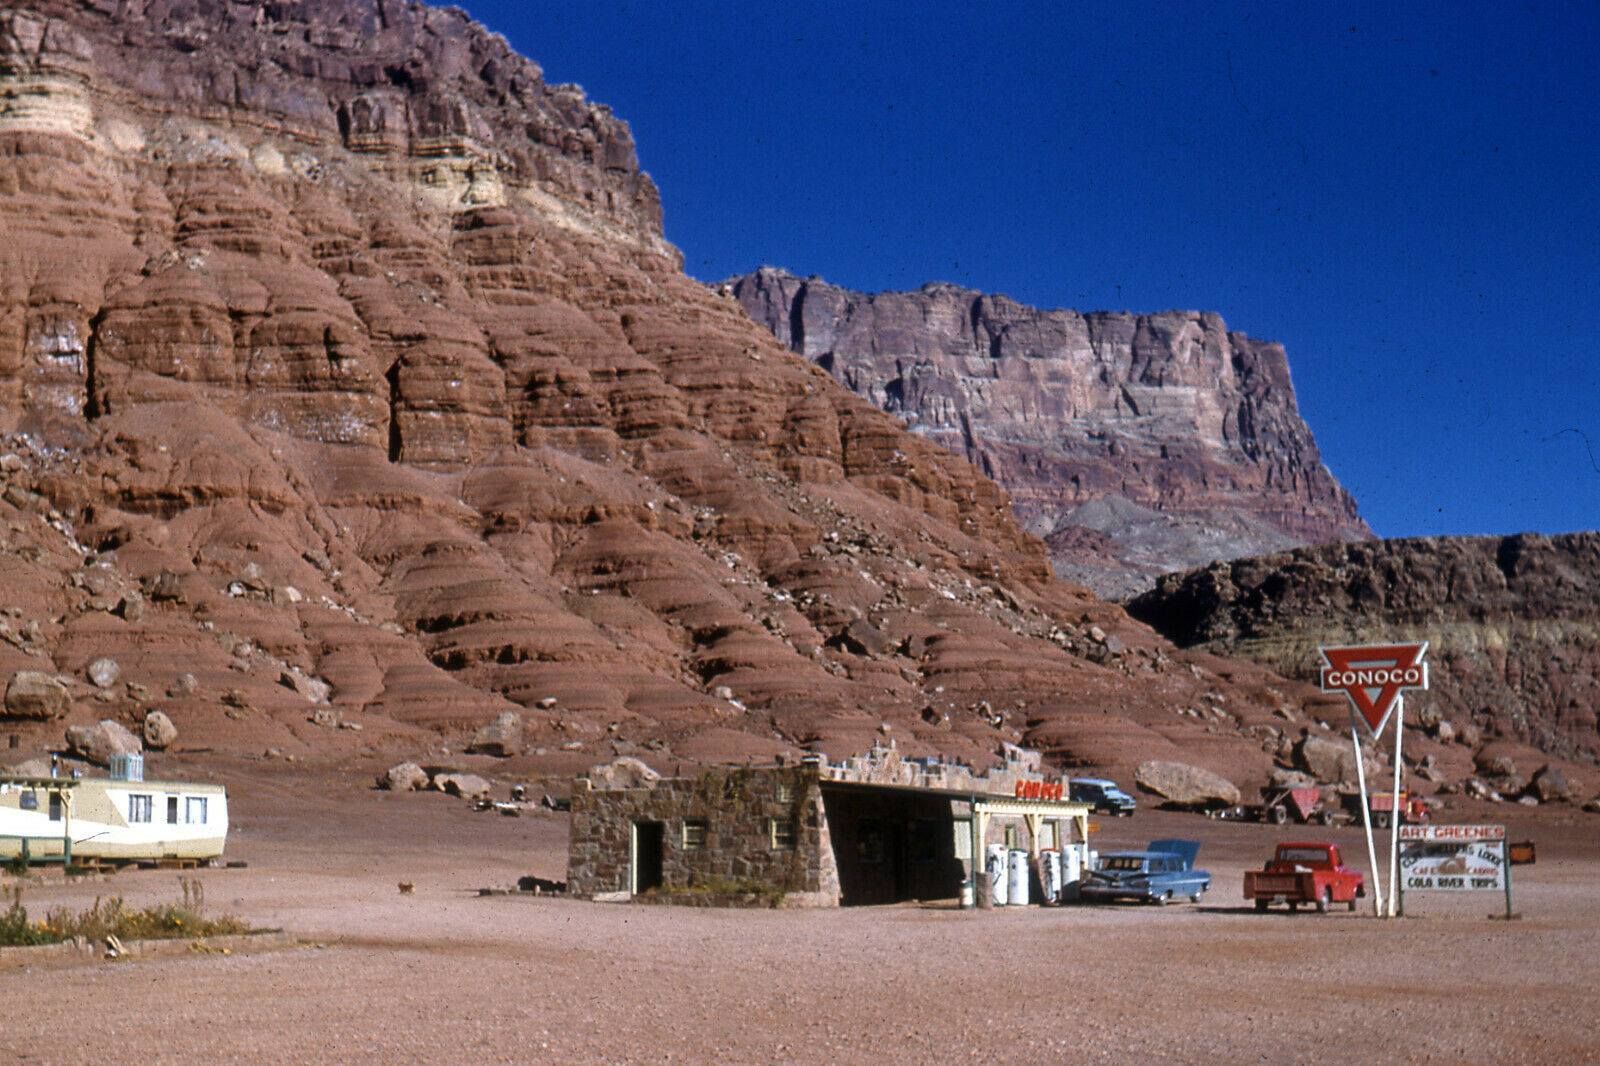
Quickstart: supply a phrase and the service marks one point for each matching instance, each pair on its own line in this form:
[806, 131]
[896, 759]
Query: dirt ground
[445, 975]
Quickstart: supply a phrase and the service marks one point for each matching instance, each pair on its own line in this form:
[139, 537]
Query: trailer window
[29, 801]
[194, 810]
[172, 810]
[55, 806]
[139, 808]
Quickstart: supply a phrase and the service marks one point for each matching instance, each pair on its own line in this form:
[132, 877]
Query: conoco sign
[1373, 676]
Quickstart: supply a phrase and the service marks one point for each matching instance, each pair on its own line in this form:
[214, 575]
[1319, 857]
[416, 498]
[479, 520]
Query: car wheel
[1261, 905]
[1280, 815]
[1293, 907]
[1381, 819]
[1352, 905]
[1196, 897]
[1164, 899]
[1325, 900]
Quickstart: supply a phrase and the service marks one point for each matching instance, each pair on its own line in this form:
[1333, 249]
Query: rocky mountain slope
[1134, 444]
[353, 406]
[1514, 623]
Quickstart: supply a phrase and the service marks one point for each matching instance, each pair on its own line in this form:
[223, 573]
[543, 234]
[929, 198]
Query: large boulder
[405, 777]
[467, 786]
[863, 638]
[98, 742]
[1182, 785]
[159, 731]
[104, 672]
[1330, 761]
[1496, 760]
[34, 695]
[1551, 785]
[502, 737]
[626, 772]
[314, 689]
[1284, 778]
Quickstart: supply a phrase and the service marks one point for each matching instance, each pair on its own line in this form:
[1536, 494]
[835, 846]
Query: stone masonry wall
[737, 806]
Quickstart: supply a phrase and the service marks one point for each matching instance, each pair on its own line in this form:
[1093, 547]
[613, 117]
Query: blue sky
[1406, 195]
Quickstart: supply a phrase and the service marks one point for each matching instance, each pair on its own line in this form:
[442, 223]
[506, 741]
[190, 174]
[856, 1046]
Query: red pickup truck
[1306, 872]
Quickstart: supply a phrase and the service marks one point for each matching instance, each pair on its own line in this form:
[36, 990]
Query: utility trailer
[1282, 806]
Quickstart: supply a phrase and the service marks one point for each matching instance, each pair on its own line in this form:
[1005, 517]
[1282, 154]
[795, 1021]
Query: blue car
[1162, 872]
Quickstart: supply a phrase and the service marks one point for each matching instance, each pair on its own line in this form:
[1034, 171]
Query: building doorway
[647, 838]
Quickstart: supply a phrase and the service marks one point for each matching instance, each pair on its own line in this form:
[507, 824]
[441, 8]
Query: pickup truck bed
[1309, 873]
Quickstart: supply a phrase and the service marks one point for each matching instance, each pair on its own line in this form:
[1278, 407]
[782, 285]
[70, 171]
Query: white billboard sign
[1453, 858]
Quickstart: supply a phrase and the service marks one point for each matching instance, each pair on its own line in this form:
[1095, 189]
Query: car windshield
[1124, 862]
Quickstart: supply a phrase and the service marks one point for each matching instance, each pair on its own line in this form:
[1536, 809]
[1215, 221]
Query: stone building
[876, 829]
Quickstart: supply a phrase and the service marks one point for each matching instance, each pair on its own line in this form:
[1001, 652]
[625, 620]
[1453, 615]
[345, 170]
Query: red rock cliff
[345, 378]
[1135, 444]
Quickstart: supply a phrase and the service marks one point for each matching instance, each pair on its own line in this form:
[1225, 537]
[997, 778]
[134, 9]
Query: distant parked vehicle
[1102, 794]
[1280, 806]
[1162, 872]
[1310, 872]
[1411, 808]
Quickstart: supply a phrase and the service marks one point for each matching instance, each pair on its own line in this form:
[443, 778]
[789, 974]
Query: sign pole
[1372, 677]
[1366, 820]
[1505, 864]
[1397, 810]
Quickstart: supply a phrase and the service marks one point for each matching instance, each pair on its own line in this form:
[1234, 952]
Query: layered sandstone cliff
[1134, 444]
[1513, 623]
[351, 399]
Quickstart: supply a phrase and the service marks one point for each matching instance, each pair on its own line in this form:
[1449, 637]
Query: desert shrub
[14, 927]
[111, 917]
[723, 891]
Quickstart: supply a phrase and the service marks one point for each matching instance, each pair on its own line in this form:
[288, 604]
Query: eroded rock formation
[1134, 444]
[1513, 624]
[350, 399]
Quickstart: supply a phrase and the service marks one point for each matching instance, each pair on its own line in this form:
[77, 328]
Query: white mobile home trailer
[63, 819]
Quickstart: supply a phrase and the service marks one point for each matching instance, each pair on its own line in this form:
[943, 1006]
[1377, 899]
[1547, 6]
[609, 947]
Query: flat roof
[75, 782]
[1040, 806]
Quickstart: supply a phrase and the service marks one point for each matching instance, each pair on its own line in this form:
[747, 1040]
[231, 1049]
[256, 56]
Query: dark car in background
[1102, 794]
[1161, 873]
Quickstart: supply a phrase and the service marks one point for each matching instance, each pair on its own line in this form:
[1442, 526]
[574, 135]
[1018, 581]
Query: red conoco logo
[1373, 676]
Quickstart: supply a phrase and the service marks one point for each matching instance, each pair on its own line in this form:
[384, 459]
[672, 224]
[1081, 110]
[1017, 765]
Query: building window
[194, 810]
[172, 810]
[785, 794]
[781, 831]
[694, 834]
[55, 806]
[29, 800]
[139, 808]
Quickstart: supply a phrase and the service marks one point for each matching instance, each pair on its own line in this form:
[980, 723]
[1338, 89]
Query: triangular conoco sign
[1373, 676]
